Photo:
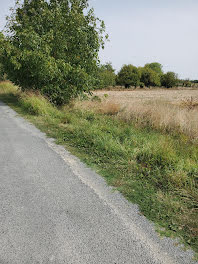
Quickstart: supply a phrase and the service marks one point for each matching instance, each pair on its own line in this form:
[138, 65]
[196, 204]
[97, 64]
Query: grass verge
[156, 170]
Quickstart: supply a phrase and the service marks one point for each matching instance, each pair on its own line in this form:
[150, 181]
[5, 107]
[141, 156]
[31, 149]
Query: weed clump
[38, 105]
[189, 103]
[96, 98]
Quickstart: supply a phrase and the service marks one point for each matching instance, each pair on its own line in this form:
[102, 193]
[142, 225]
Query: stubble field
[127, 97]
[172, 110]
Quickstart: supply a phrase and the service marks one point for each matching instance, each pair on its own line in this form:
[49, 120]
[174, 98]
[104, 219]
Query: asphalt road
[55, 210]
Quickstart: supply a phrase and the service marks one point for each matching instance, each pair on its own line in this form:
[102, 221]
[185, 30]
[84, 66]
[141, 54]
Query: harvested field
[169, 95]
[170, 110]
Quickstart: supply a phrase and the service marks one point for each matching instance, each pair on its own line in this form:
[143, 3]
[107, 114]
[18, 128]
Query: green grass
[157, 171]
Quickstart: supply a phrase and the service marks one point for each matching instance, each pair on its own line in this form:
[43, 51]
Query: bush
[96, 98]
[38, 105]
[142, 85]
[150, 77]
[106, 76]
[169, 79]
[187, 83]
[128, 76]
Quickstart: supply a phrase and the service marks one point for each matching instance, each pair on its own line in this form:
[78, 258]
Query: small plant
[83, 97]
[96, 98]
[37, 105]
[142, 85]
[190, 103]
[110, 108]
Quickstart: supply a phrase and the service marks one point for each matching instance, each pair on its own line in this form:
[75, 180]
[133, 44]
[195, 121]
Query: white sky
[143, 31]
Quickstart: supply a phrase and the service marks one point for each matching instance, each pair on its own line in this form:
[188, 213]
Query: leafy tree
[106, 76]
[108, 66]
[155, 66]
[129, 75]
[2, 73]
[169, 79]
[149, 77]
[52, 46]
[187, 83]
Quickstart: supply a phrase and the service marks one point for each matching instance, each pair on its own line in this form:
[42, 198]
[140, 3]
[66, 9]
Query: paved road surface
[55, 210]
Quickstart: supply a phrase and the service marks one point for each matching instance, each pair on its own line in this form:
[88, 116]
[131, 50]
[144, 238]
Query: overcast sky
[143, 31]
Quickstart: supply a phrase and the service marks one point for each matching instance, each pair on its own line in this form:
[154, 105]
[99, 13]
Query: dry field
[168, 95]
[166, 109]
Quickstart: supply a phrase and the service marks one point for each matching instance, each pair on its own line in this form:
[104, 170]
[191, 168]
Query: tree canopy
[169, 79]
[149, 77]
[52, 46]
[155, 66]
[106, 76]
[129, 75]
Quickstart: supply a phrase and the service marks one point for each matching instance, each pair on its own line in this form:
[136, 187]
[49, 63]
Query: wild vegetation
[128, 76]
[173, 111]
[147, 149]
[52, 47]
[105, 76]
[151, 75]
[153, 168]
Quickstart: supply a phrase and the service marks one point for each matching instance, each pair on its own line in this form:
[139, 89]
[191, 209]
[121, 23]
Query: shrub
[142, 85]
[109, 108]
[128, 76]
[169, 79]
[187, 83]
[96, 98]
[106, 76]
[37, 105]
[149, 77]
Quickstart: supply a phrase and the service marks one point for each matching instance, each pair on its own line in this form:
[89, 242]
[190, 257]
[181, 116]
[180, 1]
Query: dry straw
[172, 110]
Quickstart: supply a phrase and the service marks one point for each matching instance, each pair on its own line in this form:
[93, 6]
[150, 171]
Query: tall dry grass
[177, 116]
[165, 116]
[106, 107]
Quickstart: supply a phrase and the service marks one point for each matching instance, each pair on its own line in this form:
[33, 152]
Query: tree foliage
[1, 51]
[149, 77]
[186, 83]
[2, 73]
[52, 46]
[169, 79]
[155, 66]
[106, 76]
[129, 75]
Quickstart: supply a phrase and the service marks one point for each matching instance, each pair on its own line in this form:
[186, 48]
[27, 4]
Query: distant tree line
[194, 81]
[150, 75]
